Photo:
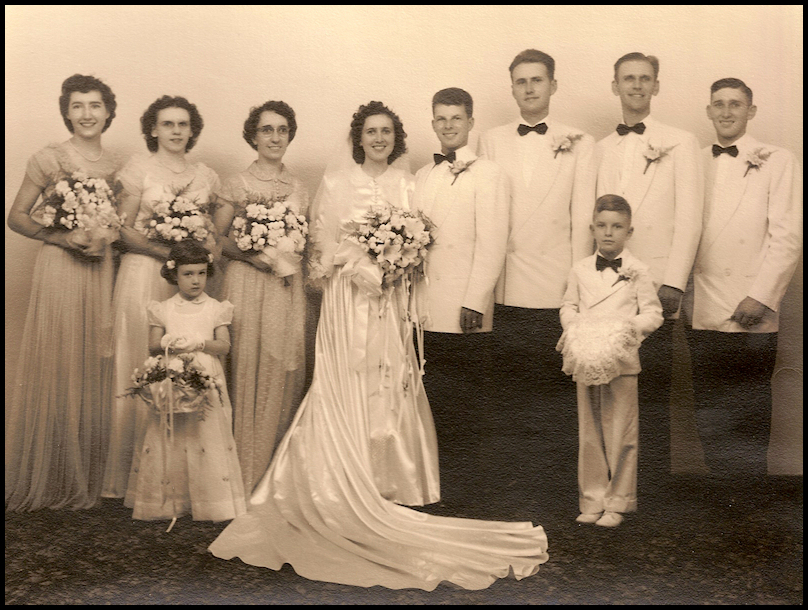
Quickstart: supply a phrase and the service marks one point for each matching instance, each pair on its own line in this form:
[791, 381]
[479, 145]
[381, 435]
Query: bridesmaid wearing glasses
[57, 418]
[267, 359]
[171, 127]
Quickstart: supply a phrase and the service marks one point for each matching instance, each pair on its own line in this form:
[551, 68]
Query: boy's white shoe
[610, 519]
[588, 517]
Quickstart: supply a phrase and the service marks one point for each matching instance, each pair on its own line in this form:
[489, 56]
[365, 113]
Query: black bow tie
[603, 263]
[732, 151]
[624, 129]
[439, 158]
[540, 129]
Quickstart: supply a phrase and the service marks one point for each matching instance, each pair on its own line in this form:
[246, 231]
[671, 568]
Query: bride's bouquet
[177, 217]
[395, 240]
[272, 229]
[173, 385]
[86, 207]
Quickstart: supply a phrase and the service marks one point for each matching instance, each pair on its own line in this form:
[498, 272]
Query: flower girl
[186, 462]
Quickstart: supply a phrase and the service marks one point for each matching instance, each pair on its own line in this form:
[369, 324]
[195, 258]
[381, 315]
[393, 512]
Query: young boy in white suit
[609, 307]
[750, 247]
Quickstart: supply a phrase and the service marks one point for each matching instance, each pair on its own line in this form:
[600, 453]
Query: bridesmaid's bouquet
[395, 240]
[272, 229]
[177, 217]
[85, 206]
[173, 385]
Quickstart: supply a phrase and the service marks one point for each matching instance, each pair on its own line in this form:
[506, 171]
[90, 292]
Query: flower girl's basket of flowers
[172, 386]
[273, 230]
[176, 217]
[86, 207]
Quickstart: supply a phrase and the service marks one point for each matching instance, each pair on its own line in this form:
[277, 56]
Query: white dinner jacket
[549, 217]
[666, 197]
[752, 236]
[464, 262]
[636, 300]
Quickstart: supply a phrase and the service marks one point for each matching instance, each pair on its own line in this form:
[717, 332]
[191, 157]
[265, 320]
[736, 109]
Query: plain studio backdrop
[327, 60]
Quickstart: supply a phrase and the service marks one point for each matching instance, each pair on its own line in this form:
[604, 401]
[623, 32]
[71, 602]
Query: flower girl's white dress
[197, 471]
[363, 442]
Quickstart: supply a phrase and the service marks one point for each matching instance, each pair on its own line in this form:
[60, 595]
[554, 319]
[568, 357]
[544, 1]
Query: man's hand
[470, 319]
[670, 298]
[749, 312]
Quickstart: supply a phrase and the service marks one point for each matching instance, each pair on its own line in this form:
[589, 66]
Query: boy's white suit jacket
[666, 197]
[549, 217]
[471, 225]
[635, 300]
[752, 236]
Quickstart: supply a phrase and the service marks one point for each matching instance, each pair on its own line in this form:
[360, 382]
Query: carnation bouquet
[272, 229]
[173, 385]
[177, 217]
[85, 206]
[395, 241]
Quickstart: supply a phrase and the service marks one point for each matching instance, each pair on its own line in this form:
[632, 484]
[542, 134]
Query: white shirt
[533, 147]
[630, 142]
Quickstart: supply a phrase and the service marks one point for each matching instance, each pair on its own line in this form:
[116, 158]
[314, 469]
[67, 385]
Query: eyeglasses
[268, 130]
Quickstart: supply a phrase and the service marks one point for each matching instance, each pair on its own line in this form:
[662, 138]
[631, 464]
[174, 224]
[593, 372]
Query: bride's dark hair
[358, 123]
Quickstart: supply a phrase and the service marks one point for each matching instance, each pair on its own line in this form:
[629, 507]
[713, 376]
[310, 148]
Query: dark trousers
[732, 393]
[654, 392]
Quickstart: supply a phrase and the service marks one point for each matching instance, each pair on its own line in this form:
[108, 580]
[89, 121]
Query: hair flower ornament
[565, 144]
[655, 154]
[170, 264]
[756, 159]
[458, 167]
[210, 258]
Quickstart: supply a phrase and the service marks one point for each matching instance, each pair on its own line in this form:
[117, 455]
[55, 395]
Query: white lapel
[595, 289]
[724, 205]
[451, 186]
[644, 172]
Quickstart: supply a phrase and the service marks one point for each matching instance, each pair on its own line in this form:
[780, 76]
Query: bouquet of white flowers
[86, 207]
[396, 240]
[177, 217]
[274, 230]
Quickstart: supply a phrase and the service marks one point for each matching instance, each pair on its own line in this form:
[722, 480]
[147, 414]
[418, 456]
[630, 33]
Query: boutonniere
[756, 159]
[458, 167]
[626, 275]
[565, 144]
[654, 154]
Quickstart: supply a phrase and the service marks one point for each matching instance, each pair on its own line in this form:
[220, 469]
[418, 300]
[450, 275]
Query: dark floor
[691, 541]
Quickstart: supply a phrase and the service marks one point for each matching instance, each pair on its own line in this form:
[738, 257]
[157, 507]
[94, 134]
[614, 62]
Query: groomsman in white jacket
[551, 173]
[658, 170]
[750, 247]
[467, 199]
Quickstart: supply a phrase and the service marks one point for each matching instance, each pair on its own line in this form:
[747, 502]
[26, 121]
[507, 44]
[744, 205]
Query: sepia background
[326, 61]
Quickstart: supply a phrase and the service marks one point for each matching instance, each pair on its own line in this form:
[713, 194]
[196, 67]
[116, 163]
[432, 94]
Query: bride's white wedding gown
[362, 443]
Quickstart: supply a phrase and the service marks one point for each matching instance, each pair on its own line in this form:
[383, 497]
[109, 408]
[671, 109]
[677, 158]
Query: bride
[363, 442]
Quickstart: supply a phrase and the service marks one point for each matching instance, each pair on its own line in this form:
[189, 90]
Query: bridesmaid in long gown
[267, 366]
[58, 416]
[171, 127]
[362, 441]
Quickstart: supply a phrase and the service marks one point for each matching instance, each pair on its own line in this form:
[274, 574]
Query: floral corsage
[565, 144]
[756, 159]
[655, 154]
[458, 167]
[626, 275]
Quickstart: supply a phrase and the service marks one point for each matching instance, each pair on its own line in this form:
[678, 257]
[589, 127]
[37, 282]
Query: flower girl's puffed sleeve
[155, 314]
[223, 315]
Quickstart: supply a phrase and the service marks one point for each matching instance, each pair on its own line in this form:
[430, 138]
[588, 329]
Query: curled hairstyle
[454, 96]
[732, 83]
[358, 124]
[79, 83]
[149, 120]
[612, 203]
[185, 252]
[532, 56]
[636, 56]
[281, 108]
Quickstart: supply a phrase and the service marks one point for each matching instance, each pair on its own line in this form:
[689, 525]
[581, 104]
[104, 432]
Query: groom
[467, 200]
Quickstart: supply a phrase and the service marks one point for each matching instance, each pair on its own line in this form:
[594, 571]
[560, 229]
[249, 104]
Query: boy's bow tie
[603, 263]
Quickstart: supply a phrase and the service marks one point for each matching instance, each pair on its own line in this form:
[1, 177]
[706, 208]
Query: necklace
[85, 156]
[171, 169]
